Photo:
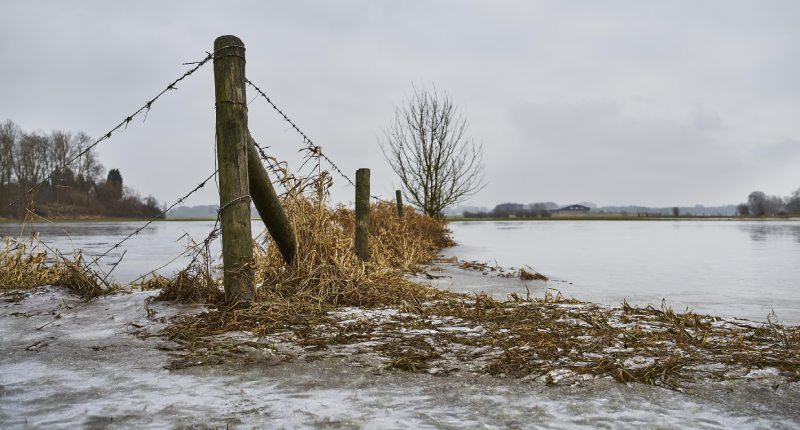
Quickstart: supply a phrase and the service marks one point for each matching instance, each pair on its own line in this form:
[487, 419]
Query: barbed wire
[312, 148]
[215, 231]
[124, 123]
[57, 253]
[161, 215]
[243, 198]
[281, 173]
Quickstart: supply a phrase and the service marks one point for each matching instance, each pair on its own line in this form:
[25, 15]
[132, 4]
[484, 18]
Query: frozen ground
[69, 364]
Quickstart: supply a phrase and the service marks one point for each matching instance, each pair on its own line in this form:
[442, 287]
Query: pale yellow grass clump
[518, 338]
[22, 266]
[25, 265]
[326, 269]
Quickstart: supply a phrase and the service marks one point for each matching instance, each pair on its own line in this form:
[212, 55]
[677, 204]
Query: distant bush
[71, 178]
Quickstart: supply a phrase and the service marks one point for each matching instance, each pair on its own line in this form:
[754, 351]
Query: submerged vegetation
[328, 303]
[25, 265]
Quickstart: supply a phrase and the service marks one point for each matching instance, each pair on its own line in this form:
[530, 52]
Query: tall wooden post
[234, 188]
[362, 214]
[399, 199]
[269, 206]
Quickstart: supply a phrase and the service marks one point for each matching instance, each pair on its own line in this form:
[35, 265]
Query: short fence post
[269, 206]
[234, 188]
[362, 214]
[399, 203]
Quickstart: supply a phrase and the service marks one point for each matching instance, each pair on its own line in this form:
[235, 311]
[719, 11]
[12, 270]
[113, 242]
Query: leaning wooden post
[362, 214]
[269, 206]
[399, 203]
[234, 188]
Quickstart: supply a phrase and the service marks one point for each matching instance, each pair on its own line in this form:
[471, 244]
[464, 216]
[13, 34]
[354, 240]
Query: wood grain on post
[232, 141]
[362, 214]
[399, 203]
[269, 206]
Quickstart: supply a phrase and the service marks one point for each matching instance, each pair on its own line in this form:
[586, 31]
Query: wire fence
[124, 123]
[311, 148]
[161, 215]
[276, 167]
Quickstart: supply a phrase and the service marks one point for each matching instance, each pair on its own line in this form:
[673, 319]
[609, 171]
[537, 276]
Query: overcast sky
[653, 103]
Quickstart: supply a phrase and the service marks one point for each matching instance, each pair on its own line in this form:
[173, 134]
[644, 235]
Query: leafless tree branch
[428, 147]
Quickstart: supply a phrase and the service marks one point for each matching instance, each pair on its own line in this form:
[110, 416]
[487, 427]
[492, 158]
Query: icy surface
[91, 367]
[69, 364]
[742, 269]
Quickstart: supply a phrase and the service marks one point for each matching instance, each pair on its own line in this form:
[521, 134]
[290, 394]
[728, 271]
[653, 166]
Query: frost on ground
[550, 339]
[65, 363]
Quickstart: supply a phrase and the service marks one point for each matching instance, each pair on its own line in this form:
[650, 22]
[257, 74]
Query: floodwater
[742, 269]
[86, 369]
[69, 364]
[153, 247]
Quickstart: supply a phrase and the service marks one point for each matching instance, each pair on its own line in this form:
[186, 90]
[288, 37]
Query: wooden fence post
[232, 141]
[269, 206]
[362, 214]
[399, 199]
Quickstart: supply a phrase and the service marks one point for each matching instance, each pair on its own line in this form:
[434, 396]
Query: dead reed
[26, 264]
[328, 302]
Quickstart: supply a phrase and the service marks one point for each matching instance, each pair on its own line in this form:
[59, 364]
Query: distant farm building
[573, 209]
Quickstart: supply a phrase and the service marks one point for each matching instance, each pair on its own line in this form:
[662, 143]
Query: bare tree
[793, 202]
[428, 147]
[63, 148]
[764, 205]
[757, 201]
[88, 166]
[743, 209]
[30, 158]
[9, 135]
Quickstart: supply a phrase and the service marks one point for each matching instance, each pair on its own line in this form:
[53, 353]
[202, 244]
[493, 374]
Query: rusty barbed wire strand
[57, 254]
[124, 123]
[209, 238]
[243, 198]
[312, 148]
[161, 215]
[281, 175]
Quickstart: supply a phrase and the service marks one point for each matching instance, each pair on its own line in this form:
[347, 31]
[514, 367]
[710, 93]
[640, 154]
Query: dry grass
[325, 274]
[25, 265]
[326, 270]
[328, 302]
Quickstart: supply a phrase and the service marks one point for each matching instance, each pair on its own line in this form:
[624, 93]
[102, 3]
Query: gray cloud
[627, 102]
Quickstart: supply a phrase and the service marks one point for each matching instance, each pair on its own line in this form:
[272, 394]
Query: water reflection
[763, 231]
[709, 266]
[82, 229]
[157, 244]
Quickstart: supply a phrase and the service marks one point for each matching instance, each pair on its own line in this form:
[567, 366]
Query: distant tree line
[515, 210]
[759, 204]
[76, 188]
[547, 209]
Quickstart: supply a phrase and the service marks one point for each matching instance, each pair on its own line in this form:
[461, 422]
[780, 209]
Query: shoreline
[448, 219]
[628, 218]
[98, 219]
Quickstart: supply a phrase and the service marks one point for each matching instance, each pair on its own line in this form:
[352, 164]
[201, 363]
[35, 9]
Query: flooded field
[91, 368]
[67, 364]
[743, 269]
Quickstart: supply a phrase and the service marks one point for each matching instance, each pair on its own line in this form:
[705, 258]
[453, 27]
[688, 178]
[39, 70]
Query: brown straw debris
[329, 303]
[25, 265]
